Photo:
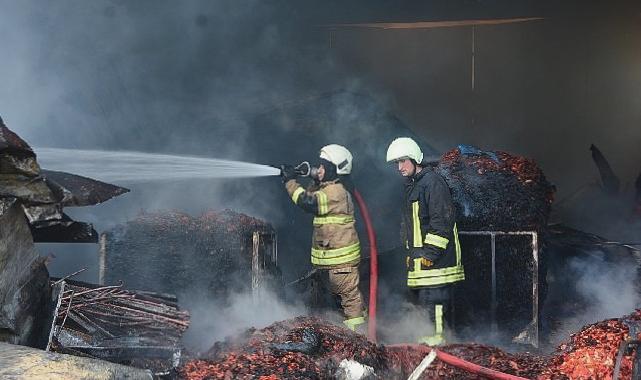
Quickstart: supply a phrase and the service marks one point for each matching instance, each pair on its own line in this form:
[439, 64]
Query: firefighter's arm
[441, 217]
[313, 202]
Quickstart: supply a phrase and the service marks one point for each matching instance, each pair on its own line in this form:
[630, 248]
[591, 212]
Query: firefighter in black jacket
[434, 253]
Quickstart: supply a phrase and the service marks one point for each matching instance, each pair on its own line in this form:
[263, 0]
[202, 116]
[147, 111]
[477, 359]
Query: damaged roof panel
[81, 191]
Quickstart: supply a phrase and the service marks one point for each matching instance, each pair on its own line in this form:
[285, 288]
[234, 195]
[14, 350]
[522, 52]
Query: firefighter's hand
[425, 263]
[287, 172]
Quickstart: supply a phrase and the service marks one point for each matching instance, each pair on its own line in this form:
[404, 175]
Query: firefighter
[335, 246]
[434, 254]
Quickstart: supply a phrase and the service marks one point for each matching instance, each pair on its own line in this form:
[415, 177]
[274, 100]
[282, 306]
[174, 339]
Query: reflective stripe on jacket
[431, 232]
[335, 241]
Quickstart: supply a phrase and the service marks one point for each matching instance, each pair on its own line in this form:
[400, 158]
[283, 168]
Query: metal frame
[259, 261]
[531, 333]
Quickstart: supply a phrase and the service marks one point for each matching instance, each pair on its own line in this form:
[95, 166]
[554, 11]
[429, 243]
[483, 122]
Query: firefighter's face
[321, 172]
[406, 167]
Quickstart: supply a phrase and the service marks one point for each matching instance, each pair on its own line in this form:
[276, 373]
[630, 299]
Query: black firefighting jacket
[429, 219]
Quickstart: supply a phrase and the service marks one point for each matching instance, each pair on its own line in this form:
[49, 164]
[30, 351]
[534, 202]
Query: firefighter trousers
[436, 305]
[343, 284]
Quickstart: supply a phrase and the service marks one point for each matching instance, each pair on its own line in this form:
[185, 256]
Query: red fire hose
[460, 363]
[373, 266]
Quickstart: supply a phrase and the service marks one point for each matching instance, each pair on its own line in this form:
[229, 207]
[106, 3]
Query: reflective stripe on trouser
[353, 323]
[436, 305]
[438, 338]
[343, 283]
[336, 256]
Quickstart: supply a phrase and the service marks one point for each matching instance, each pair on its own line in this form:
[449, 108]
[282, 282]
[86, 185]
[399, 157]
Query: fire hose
[373, 266]
[459, 363]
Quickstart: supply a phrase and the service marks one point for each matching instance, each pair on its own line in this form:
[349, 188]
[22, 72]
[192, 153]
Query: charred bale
[496, 190]
[206, 256]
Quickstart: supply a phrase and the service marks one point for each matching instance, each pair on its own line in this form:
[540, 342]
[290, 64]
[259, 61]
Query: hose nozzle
[303, 169]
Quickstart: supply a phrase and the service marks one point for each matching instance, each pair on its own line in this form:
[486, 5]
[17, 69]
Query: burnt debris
[31, 210]
[592, 352]
[137, 328]
[43, 193]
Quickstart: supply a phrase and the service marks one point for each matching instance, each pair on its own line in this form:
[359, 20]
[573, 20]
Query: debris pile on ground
[496, 190]
[592, 352]
[207, 255]
[310, 348]
[121, 326]
[301, 348]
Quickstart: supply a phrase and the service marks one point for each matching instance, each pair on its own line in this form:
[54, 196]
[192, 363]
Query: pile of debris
[592, 353]
[310, 348]
[208, 255]
[496, 190]
[301, 348]
[108, 322]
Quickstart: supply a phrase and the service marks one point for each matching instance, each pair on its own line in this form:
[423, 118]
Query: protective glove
[425, 263]
[287, 172]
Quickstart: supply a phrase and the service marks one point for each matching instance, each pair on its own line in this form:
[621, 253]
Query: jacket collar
[417, 176]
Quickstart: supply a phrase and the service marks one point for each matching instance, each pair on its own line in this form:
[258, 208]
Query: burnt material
[251, 355]
[81, 191]
[24, 288]
[121, 326]
[67, 232]
[592, 352]
[43, 193]
[496, 190]
[209, 256]
[589, 354]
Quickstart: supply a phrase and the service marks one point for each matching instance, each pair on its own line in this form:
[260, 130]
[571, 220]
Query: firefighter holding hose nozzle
[434, 253]
[335, 249]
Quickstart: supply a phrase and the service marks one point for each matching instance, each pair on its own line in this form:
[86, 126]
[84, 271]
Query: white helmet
[339, 156]
[403, 148]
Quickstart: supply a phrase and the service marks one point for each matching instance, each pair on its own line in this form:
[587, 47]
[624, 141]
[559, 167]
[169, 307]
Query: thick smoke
[214, 320]
[604, 289]
[228, 79]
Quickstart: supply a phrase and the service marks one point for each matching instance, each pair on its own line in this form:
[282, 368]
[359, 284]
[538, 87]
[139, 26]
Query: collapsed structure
[84, 319]
[31, 209]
